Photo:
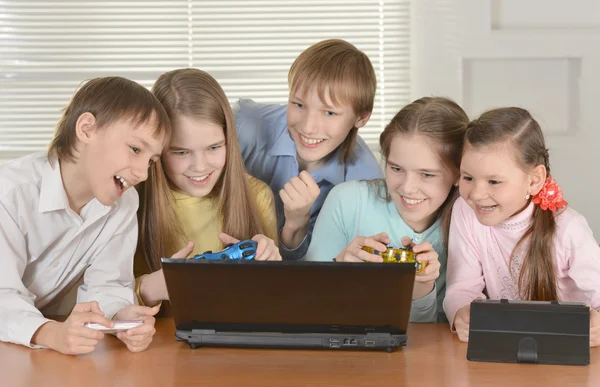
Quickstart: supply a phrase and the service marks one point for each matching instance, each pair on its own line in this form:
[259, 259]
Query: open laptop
[290, 304]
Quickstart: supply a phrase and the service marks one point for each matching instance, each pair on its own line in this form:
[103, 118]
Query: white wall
[543, 55]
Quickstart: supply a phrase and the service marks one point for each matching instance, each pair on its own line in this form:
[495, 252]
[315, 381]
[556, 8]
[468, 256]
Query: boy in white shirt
[68, 216]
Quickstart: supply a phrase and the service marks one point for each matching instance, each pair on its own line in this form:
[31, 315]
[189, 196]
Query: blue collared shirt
[270, 155]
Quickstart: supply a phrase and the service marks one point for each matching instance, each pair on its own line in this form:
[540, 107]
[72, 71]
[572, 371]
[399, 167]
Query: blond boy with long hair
[305, 148]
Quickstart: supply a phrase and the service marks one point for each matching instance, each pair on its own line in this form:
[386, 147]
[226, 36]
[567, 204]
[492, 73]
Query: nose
[410, 185]
[478, 191]
[199, 162]
[311, 124]
[140, 171]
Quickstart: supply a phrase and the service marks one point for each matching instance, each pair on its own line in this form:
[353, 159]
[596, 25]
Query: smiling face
[117, 157]
[318, 127]
[417, 180]
[492, 182]
[195, 158]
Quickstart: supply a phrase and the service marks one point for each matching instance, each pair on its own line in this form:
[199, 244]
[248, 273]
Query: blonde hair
[443, 121]
[195, 93]
[338, 68]
[109, 99]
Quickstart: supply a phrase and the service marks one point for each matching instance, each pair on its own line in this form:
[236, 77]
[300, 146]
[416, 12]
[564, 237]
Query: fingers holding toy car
[355, 251]
[427, 256]
[266, 249]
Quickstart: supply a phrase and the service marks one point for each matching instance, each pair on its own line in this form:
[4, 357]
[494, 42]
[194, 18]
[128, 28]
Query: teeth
[412, 201]
[198, 178]
[311, 141]
[123, 182]
[488, 208]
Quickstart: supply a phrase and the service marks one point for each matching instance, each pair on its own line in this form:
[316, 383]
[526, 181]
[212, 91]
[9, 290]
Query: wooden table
[433, 357]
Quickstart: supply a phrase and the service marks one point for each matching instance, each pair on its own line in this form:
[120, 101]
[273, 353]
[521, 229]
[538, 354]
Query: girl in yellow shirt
[199, 191]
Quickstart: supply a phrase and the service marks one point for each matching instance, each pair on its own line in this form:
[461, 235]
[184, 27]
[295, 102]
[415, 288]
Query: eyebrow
[180, 148]
[177, 148]
[423, 170]
[325, 105]
[487, 177]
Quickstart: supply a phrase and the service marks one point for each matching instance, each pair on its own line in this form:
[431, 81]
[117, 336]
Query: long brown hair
[441, 120]
[537, 279]
[195, 93]
[346, 73]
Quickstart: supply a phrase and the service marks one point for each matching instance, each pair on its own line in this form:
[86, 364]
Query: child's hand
[298, 196]
[425, 280]
[426, 254]
[462, 320]
[354, 252]
[72, 337]
[137, 339]
[153, 288]
[266, 249]
[594, 328]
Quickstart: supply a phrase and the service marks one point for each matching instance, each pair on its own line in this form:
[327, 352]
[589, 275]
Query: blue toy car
[243, 250]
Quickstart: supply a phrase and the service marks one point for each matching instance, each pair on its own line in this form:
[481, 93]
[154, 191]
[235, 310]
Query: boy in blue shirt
[305, 148]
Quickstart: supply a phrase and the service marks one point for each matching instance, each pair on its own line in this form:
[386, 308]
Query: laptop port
[334, 344]
[350, 342]
[334, 341]
[369, 343]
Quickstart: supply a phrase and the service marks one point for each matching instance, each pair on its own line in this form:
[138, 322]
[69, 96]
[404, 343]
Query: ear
[537, 178]
[85, 127]
[362, 120]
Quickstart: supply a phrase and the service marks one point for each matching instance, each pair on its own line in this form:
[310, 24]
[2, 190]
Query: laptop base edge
[369, 341]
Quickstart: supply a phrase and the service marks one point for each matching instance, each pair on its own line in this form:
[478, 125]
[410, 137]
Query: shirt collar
[53, 196]
[333, 171]
[52, 192]
[283, 145]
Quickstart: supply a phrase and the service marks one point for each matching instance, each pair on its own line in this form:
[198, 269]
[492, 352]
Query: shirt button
[418, 238]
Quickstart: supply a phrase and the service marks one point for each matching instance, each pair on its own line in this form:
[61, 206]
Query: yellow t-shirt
[202, 223]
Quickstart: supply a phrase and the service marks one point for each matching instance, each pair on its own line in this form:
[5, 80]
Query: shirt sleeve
[425, 309]
[302, 249]
[331, 234]
[109, 278]
[19, 318]
[464, 279]
[583, 254]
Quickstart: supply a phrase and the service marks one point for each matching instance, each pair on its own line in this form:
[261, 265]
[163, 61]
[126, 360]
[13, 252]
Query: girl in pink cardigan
[511, 234]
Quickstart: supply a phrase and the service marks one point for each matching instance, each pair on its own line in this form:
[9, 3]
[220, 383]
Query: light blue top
[356, 209]
[270, 155]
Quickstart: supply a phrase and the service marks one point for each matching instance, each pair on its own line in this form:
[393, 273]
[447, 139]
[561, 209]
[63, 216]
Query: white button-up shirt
[46, 248]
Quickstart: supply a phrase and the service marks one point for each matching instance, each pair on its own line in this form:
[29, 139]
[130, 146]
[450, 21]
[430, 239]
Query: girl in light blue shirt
[422, 147]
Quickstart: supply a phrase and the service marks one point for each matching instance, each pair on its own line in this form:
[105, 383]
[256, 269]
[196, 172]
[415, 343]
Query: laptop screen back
[289, 296]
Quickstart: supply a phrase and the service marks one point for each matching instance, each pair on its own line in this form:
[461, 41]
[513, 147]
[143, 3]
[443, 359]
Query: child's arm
[298, 197]
[583, 260]
[333, 226]
[19, 318]
[583, 255]
[424, 305]
[464, 279]
[109, 278]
